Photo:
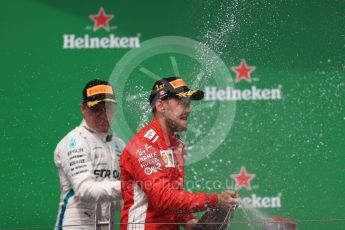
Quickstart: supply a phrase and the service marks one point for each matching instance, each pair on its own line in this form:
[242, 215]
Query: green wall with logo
[280, 118]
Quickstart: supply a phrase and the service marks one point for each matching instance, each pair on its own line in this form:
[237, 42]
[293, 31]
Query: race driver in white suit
[87, 159]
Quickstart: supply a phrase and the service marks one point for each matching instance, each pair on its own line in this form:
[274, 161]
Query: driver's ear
[160, 107]
[83, 108]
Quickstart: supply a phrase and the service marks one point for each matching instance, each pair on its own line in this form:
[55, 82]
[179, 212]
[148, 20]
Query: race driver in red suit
[152, 166]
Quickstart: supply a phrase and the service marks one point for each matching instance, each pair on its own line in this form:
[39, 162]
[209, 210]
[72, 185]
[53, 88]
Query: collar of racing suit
[169, 140]
[105, 137]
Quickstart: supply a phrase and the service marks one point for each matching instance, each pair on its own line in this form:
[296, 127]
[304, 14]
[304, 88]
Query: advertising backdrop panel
[271, 125]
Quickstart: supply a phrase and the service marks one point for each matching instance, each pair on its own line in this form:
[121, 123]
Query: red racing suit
[152, 174]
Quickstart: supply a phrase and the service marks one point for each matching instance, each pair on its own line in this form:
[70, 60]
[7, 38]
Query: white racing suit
[88, 167]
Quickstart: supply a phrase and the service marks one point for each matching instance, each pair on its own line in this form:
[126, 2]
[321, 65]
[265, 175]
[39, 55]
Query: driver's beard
[171, 118]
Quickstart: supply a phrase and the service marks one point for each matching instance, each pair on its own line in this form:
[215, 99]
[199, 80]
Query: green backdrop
[282, 122]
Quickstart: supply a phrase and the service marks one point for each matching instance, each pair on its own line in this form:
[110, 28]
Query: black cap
[173, 87]
[97, 91]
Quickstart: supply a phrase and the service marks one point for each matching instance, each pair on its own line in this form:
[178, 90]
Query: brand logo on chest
[168, 158]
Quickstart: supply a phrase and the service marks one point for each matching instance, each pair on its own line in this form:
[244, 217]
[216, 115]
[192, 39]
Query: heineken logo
[243, 179]
[101, 21]
[71, 41]
[243, 74]
[262, 202]
[213, 93]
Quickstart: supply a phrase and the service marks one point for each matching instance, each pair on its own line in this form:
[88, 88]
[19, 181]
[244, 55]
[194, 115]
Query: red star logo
[243, 71]
[101, 20]
[243, 179]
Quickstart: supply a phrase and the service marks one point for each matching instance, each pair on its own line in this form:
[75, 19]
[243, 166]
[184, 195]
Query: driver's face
[176, 113]
[100, 116]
